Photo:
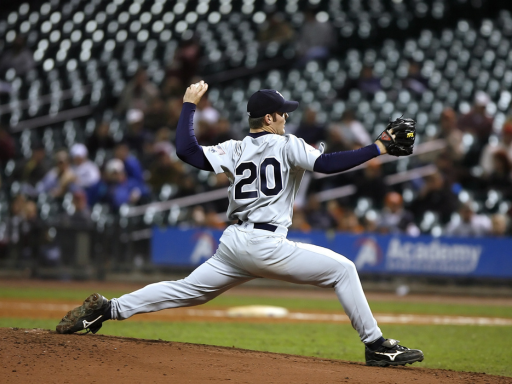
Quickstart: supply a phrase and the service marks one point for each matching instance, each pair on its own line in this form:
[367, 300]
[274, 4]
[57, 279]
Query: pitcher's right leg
[205, 283]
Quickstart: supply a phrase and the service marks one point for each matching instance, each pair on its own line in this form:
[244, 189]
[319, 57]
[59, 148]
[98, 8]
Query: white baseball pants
[246, 253]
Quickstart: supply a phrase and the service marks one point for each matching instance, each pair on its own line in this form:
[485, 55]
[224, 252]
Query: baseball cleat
[89, 316]
[391, 353]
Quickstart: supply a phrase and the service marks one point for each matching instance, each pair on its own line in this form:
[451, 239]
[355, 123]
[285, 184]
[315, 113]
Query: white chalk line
[300, 316]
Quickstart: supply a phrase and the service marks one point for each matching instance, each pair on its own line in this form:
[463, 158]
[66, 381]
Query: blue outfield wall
[424, 255]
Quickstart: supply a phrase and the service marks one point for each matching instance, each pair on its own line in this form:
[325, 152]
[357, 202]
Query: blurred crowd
[466, 194]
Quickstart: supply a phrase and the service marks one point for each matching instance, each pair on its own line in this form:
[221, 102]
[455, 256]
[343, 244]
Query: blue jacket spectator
[118, 189]
[132, 166]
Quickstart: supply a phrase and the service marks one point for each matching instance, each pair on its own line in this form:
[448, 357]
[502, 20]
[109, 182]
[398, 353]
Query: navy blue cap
[269, 101]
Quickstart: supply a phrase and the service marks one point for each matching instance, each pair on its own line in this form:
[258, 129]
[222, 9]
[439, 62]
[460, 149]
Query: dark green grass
[460, 348]
[290, 303]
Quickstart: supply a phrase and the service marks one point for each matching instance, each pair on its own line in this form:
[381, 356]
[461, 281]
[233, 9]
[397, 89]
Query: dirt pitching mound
[30, 355]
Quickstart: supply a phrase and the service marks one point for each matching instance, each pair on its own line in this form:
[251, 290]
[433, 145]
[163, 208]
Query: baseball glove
[404, 132]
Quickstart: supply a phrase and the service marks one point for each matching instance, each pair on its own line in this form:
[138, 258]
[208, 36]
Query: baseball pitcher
[265, 170]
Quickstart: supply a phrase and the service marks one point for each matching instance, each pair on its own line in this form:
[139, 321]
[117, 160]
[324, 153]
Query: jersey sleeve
[220, 156]
[302, 155]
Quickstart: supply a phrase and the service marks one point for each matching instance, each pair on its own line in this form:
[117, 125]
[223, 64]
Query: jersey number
[265, 186]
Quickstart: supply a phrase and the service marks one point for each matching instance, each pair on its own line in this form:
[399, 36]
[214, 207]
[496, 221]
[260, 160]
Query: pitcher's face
[280, 122]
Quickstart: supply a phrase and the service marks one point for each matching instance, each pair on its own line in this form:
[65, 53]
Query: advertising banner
[423, 255]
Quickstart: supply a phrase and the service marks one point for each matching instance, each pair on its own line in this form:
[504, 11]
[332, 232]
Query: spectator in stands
[30, 171]
[156, 115]
[310, 129]
[197, 217]
[100, 139]
[350, 223]
[87, 173]
[206, 134]
[415, 81]
[500, 225]
[468, 223]
[367, 83]
[448, 168]
[131, 165]
[22, 228]
[276, 29]
[207, 114]
[81, 214]
[188, 186]
[299, 221]
[477, 123]
[163, 140]
[58, 181]
[173, 106]
[348, 133]
[336, 213]
[436, 196]
[29, 232]
[18, 57]
[17, 209]
[500, 178]
[223, 130]
[454, 150]
[7, 146]
[164, 170]
[119, 189]
[370, 182]
[212, 220]
[50, 252]
[136, 134]
[172, 87]
[185, 63]
[138, 93]
[316, 215]
[395, 218]
[505, 144]
[316, 39]
[370, 221]
[451, 134]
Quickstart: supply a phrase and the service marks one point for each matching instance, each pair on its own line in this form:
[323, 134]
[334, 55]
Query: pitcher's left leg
[309, 264]
[281, 259]
[347, 286]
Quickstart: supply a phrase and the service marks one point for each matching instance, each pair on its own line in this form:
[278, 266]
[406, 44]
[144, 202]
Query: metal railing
[73, 251]
[219, 194]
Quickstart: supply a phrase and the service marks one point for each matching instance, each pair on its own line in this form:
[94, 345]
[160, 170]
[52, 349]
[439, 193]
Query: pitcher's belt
[264, 226]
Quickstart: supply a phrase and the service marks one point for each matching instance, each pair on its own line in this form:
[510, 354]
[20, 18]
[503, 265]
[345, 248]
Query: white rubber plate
[257, 311]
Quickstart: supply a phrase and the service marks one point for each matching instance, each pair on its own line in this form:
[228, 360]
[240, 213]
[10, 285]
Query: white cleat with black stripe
[391, 353]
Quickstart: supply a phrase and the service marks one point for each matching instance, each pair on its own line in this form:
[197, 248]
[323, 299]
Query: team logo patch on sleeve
[218, 150]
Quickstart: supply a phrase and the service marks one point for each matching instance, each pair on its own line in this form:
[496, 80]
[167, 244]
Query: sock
[107, 315]
[374, 345]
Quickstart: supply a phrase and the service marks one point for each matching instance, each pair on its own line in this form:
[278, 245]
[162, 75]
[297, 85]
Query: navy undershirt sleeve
[341, 161]
[187, 147]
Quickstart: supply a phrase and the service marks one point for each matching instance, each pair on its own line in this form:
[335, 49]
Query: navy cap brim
[289, 106]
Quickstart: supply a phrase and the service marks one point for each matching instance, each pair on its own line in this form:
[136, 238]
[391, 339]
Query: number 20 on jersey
[249, 177]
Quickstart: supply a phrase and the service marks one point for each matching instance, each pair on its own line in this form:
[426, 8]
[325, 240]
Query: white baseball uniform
[265, 174]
